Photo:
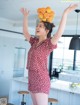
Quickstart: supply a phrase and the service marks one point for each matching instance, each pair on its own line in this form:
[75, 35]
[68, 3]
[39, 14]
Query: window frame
[51, 57]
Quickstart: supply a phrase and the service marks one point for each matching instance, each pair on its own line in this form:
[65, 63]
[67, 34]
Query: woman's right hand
[24, 11]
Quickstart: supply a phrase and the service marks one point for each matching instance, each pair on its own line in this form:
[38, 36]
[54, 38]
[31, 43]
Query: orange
[46, 15]
[50, 19]
[43, 10]
[48, 9]
[40, 16]
[44, 19]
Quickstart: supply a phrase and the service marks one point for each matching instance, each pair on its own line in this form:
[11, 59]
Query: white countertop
[64, 86]
[56, 84]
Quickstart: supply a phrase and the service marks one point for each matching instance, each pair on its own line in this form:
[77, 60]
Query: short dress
[38, 75]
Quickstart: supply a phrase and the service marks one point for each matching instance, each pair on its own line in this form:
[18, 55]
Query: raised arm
[62, 25]
[25, 23]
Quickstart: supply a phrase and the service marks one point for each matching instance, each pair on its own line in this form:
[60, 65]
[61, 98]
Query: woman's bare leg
[33, 98]
[41, 98]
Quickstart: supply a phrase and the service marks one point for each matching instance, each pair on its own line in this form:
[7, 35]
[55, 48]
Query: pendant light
[75, 41]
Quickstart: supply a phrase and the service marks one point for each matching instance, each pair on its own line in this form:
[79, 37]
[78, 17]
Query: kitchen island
[60, 90]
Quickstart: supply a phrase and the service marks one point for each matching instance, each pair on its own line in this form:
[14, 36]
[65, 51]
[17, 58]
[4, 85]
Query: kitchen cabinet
[63, 98]
[53, 94]
[74, 99]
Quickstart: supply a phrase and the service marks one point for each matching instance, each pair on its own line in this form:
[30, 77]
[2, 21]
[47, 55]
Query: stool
[52, 100]
[23, 93]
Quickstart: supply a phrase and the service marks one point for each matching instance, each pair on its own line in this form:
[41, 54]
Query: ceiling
[10, 9]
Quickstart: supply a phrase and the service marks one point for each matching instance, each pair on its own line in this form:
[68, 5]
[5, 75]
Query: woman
[41, 46]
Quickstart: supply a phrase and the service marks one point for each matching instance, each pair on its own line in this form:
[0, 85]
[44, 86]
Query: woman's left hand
[70, 8]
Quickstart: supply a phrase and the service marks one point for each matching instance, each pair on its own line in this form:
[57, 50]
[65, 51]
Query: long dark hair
[49, 26]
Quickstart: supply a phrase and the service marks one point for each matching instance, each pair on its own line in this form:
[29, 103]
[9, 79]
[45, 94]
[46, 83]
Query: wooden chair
[23, 93]
[52, 100]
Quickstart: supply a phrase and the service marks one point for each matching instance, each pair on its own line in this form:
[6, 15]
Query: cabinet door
[74, 99]
[53, 93]
[14, 97]
[63, 98]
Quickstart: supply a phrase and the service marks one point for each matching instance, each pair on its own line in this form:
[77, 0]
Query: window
[63, 57]
[19, 62]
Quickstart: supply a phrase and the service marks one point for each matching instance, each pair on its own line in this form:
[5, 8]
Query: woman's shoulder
[33, 39]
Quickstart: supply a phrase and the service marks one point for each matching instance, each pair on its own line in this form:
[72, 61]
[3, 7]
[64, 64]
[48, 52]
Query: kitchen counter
[55, 84]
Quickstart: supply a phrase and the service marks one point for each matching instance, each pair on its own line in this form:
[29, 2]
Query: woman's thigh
[41, 98]
[33, 98]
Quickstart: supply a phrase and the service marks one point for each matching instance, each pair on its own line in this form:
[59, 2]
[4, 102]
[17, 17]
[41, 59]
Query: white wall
[7, 46]
[8, 42]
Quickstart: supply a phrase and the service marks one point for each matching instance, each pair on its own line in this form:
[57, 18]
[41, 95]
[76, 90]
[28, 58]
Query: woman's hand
[24, 11]
[70, 8]
[25, 23]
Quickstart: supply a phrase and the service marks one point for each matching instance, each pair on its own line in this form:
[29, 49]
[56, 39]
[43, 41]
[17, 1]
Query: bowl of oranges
[46, 14]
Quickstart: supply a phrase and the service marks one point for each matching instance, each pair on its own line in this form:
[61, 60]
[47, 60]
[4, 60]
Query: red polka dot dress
[38, 75]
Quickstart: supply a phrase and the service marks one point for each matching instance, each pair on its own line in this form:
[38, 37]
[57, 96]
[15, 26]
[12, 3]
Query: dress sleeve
[49, 46]
[32, 40]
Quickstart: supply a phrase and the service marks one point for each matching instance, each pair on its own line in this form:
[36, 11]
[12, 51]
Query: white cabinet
[63, 98]
[53, 93]
[68, 98]
[74, 99]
